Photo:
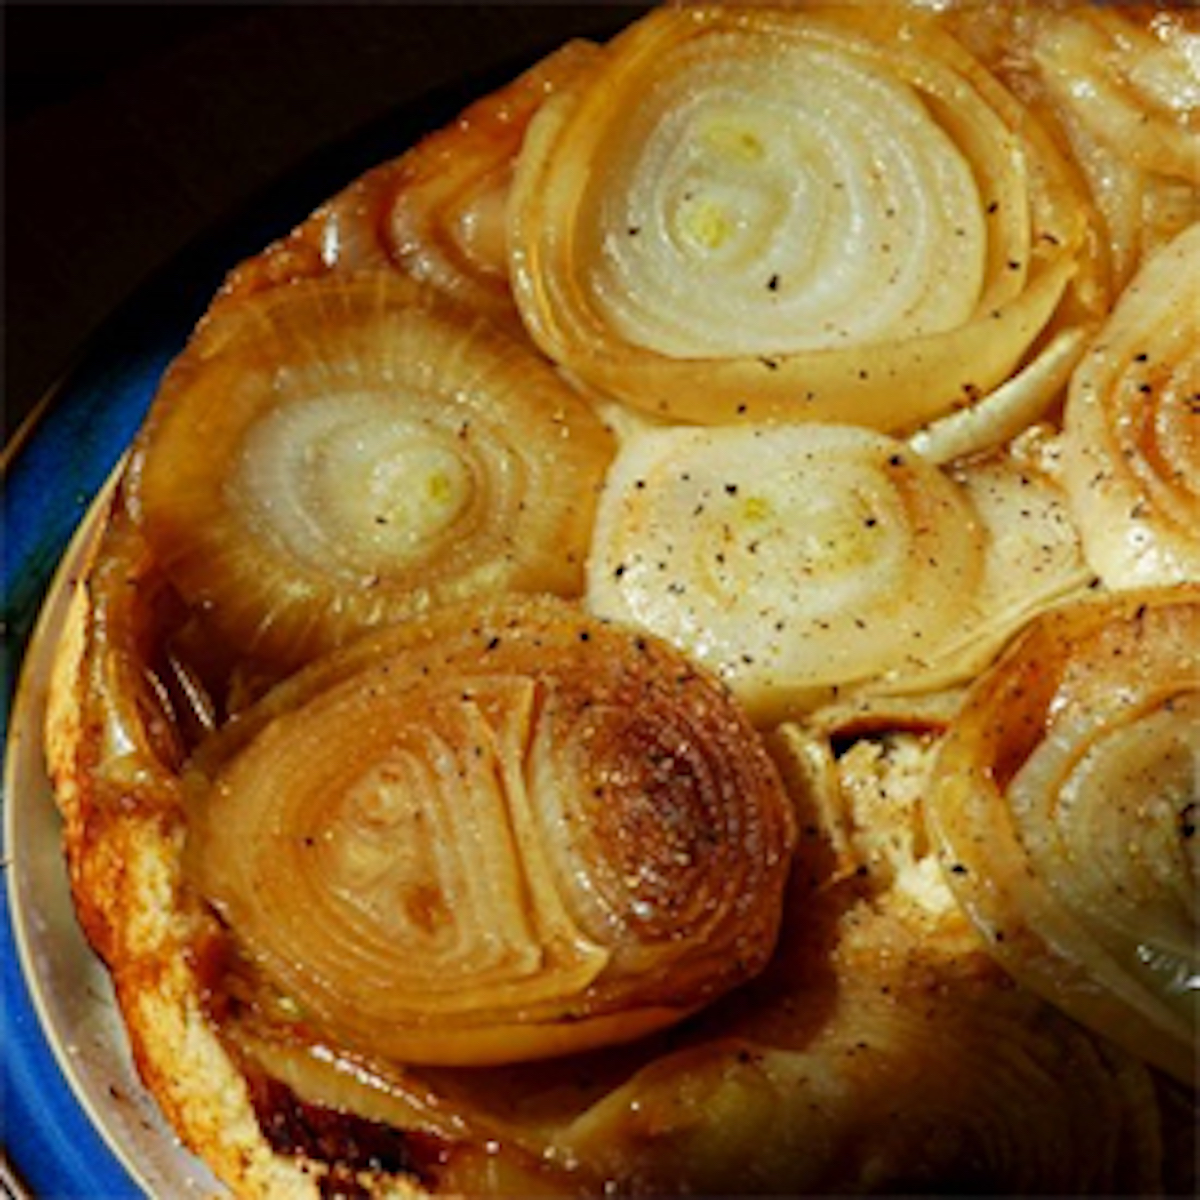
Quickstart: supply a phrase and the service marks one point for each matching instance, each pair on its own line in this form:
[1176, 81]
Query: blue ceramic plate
[75, 1120]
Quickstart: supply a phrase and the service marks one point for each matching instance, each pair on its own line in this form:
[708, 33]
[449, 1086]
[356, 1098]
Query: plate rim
[117, 1169]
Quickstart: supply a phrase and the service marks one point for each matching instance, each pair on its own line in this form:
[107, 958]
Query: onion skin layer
[500, 834]
[1084, 886]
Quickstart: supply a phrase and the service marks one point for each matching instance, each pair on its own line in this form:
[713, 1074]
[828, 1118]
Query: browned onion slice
[1064, 803]
[882, 1052]
[436, 212]
[496, 835]
[346, 452]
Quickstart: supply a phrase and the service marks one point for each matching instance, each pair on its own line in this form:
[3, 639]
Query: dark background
[131, 130]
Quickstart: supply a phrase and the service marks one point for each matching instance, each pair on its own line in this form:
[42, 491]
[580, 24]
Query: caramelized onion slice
[817, 212]
[1132, 427]
[436, 213]
[493, 836]
[790, 559]
[447, 222]
[930, 1088]
[347, 452]
[1064, 804]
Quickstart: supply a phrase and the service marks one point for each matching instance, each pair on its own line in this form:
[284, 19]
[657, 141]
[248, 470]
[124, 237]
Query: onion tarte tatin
[652, 646]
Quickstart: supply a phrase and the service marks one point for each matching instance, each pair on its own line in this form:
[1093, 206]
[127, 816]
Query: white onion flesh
[765, 204]
[789, 559]
[811, 213]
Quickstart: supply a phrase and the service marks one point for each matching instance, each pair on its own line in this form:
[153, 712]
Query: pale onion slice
[500, 834]
[436, 213]
[789, 559]
[1064, 807]
[1032, 558]
[346, 452]
[816, 213]
[1125, 83]
[1132, 427]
